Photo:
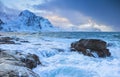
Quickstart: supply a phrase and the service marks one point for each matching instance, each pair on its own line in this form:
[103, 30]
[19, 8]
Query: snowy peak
[30, 19]
[27, 13]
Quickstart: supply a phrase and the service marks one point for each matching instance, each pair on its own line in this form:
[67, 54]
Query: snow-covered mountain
[28, 21]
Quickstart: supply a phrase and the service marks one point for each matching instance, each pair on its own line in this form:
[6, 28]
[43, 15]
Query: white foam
[66, 63]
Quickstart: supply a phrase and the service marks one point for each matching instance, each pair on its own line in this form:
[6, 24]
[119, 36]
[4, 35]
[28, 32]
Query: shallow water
[53, 49]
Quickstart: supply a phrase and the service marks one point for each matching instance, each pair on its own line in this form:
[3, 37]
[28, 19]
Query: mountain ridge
[28, 21]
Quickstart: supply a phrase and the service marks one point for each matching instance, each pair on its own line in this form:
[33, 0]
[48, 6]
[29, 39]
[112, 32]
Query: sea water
[53, 49]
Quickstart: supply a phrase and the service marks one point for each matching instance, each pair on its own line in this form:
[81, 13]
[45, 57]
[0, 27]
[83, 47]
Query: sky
[78, 15]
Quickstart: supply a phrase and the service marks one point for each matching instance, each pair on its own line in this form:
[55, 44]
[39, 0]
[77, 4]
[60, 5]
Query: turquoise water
[110, 37]
[78, 35]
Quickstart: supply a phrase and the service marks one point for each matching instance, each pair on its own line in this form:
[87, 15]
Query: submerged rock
[90, 46]
[24, 41]
[12, 66]
[12, 40]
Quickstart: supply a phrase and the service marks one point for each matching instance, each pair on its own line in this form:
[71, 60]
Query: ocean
[53, 49]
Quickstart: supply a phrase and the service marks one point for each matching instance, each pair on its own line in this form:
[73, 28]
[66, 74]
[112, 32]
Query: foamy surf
[57, 60]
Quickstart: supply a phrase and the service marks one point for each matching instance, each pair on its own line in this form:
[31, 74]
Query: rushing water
[53, 49]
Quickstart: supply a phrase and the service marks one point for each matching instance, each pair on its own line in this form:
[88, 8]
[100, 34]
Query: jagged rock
[31, 60]
[12, 66]
[90, 46]
[8, 70]
[1, 22]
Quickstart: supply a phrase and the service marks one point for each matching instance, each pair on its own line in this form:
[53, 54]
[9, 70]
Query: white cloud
[103, 27]
[93, 26]
[21, 5]
[65, 23]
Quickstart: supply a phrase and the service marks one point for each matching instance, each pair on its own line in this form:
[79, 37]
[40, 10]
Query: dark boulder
[90, 46]
[31, 60]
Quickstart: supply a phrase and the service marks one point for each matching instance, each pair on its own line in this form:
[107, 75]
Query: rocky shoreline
[14, 63]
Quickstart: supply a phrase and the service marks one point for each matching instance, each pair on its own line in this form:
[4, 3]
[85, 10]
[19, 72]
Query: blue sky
[86, 15]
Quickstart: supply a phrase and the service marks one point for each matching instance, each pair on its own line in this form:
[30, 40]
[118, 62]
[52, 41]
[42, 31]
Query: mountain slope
[1, 23]
[28, 21]
[6, 13]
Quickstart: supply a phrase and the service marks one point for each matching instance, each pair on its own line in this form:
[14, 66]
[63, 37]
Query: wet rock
[12, 40]
[8, 70]
[12, 66]
[90, 46]
[9, 74]
[21, 40]
[6, 40]
[111, 45]
[58, 49]
[24, 41]
[31, 60]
